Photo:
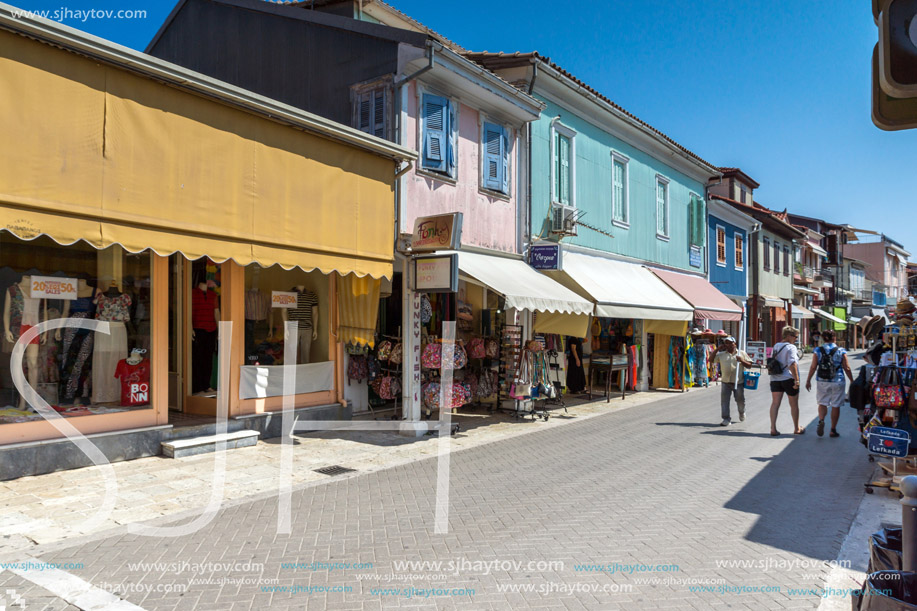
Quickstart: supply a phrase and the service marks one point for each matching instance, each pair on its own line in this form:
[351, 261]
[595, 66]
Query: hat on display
[905, 306]
[721, 333]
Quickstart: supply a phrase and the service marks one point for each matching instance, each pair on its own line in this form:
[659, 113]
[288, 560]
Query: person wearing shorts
[787, 381]
[830, 393]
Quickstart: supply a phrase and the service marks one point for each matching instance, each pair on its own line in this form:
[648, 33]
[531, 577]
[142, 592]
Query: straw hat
[905, 306]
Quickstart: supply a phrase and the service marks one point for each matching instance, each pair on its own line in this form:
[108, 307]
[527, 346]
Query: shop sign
[437, 274]
[694, 258]
[283, 299]
[51, 287]
[757, 351]
[546, 256]
[440, 232]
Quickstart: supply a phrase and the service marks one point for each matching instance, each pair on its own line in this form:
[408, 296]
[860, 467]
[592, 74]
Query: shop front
[637, 314]
[163, 211]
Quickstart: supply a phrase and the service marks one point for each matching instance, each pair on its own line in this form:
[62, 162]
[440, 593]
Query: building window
[743, 195]
[776, 258]
[563, 168]
[438, 134]
[720, 246]
[697, 222]
[495, 167]
[620, 205]
[740, 252]
[371, 111]
[662, 206]
[767, 254]
[786, 261]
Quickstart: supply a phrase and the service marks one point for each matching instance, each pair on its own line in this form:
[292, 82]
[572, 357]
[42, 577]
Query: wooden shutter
[379, 113]
[767, 253]
[494, 159]
[720, 245]
[435, 142]
[740, 255]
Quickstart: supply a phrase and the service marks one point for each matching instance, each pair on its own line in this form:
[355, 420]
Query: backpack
[775, 367]
[826, 367]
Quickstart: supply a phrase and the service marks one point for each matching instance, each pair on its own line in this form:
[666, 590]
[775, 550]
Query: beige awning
[94, 152]
[774, 302]
[802, 312]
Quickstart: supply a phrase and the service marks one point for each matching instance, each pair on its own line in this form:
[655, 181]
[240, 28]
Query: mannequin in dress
[205, 314]
[20, 313]
[306, 313]
[112, 306]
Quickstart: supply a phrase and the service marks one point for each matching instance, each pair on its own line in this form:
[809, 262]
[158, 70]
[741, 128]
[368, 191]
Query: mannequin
[20, 313]
[109, 349]
[76, 365]
[306, 313]
[205, 314]
[134, 373]
[257, 313]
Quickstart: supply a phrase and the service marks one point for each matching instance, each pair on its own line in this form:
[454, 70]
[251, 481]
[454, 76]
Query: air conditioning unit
[563, 219]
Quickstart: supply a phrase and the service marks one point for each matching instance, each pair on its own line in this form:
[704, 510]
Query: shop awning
[523, 287]
[622, 290]
[804, 290]
[817, 249]
[827, 316]
[802, 312]
[774, 302]
[98, 152]
[709, 303]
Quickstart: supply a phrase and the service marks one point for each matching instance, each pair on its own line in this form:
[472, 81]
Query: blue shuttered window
[496, 156]
[435, 116]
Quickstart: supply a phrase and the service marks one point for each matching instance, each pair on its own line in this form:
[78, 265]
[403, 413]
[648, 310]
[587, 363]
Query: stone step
[178, 448]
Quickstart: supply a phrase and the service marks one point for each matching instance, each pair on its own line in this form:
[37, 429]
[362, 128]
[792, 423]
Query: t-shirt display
[203, 305]
[305, 301]
[135, 382]
[114, 307]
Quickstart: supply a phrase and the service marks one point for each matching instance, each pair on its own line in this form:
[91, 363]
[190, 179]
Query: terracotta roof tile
[493, 61]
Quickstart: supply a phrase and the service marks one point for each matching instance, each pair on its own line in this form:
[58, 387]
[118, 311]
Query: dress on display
[576, 376]
[77, 346]
[111, 347]
[203, 347]
[24, 312]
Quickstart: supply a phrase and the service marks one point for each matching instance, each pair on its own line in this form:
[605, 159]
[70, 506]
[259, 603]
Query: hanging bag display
[476, 348]
[432, 356]
[889, 392]
[492, 348]
[522, 385]
[397, 355]
[384, 350]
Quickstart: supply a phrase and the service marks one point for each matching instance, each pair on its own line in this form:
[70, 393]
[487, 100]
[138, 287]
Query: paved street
[660, 486]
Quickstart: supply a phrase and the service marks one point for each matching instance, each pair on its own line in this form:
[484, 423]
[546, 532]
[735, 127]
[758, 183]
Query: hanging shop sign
[283, 299]
[757, 351]
[51, 287]
[436, 274]
[440, 232]
[694, 258]
[546, 256]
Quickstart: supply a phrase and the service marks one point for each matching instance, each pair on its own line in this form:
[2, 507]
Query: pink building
[887, 261]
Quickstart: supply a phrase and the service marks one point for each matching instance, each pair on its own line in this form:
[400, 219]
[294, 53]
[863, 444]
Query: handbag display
[889, 392]
[397, 355]
[476, 348]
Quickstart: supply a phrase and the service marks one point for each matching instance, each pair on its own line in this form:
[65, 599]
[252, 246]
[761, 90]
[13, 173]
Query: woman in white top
[787, 381]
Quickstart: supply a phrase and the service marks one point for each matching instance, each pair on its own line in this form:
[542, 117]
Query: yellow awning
[93, 152]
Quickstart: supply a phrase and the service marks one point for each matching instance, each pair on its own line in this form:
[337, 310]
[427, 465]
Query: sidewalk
[41, 509]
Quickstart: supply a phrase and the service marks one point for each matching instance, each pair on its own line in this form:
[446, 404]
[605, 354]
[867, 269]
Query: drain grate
[334, 470]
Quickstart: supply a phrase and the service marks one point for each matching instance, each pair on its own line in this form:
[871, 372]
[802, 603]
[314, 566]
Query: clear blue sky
[780, 89]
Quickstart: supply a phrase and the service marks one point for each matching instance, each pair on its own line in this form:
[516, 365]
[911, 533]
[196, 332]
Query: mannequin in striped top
[306, 314]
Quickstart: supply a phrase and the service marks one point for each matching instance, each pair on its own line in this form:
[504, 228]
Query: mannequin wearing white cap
[732, 362]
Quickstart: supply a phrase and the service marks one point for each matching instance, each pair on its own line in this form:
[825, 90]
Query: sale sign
[283, 299]
[51, 287]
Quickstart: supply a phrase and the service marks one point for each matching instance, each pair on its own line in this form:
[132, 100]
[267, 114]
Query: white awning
[523, 287]
[774, 302]
[805, 290]
[801, 312]
[830, 317]
[817, 249]
[855, 319]
[622, 290]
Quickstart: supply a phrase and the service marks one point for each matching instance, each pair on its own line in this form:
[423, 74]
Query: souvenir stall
[614, 341]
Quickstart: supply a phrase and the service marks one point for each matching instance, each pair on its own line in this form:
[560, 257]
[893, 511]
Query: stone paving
[659, 486]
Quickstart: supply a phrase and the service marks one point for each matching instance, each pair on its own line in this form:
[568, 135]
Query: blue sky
[780, 89]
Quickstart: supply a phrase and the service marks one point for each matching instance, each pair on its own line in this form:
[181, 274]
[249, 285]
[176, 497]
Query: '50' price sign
[50, 287]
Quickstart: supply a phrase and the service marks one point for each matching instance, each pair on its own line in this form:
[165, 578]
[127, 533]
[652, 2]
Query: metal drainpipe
[527, 229]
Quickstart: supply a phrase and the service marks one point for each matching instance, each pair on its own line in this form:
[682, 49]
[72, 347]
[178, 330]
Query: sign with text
[546, 256]
[50, 287]
[437, 274]
[888, 441]
[440, 232]
[757, 351]
[283, 299]
[694, 258]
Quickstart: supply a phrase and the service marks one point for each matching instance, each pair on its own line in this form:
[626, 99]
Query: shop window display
[274, 296]
[77, 371]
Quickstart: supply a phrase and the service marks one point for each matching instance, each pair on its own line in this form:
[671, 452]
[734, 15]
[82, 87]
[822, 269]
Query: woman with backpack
[829, 361]
[783, 367]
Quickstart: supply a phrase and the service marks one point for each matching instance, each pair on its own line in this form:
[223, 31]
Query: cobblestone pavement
[658, 494]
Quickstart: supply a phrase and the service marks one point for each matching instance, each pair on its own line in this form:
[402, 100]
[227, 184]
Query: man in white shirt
[732, 364]
[787, 381]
